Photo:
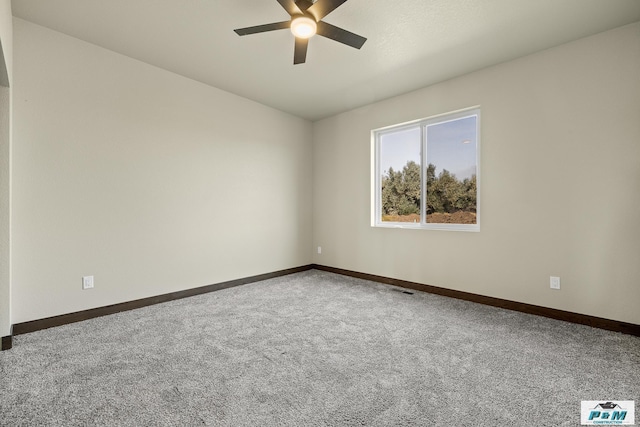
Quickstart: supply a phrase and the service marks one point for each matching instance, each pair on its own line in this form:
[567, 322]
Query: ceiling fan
[305, 22]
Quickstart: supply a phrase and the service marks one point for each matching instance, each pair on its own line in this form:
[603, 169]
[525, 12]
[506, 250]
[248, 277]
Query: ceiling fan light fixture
[303, 27]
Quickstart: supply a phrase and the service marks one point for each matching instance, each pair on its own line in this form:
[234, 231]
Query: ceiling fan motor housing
[304, 4]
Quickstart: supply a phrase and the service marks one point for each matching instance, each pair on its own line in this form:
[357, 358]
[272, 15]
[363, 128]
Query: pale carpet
[315, 349]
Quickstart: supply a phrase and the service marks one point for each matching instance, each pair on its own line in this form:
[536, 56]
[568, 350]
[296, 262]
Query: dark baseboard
[567, 316]
[63, 319]
[596, 322]
[7, 343]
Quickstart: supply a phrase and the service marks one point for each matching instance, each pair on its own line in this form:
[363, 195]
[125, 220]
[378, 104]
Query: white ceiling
[411, 43]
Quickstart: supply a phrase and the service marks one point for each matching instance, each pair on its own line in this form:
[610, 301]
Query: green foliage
[445, 193]
[401, 190]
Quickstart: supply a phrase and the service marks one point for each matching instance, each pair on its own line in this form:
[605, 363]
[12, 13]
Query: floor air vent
[402, 291]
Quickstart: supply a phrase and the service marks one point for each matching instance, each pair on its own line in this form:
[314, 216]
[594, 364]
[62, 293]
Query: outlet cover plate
[554, 282]
[87, 282]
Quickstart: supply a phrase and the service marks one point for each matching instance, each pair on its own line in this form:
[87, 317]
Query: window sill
[440, 227]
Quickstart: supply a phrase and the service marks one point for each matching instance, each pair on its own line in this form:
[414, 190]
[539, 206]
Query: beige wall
[560, 195]
[149, 181]
[155, 183]
[6, 35]
[5, 222]
[6, 42]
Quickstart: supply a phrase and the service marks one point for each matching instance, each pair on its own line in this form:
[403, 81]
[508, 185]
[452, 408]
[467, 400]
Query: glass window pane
[451, 172]
[400, 175]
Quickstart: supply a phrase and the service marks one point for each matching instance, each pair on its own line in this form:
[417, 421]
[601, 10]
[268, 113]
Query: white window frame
[376, 178]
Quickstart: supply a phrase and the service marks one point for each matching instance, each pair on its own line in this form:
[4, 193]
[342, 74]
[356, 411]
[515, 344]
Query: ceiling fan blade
[300, 52]
[290, 6]
[263, 28]
[338, 34]
[322, 8]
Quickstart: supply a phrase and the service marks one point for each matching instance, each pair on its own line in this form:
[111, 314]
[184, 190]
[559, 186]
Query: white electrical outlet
[554, 282]
[319, 249]
[87, 282]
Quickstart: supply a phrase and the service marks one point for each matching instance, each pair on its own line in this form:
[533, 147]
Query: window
[426, 173]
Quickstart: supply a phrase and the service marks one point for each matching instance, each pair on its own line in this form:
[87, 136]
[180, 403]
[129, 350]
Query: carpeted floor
[315, 348]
